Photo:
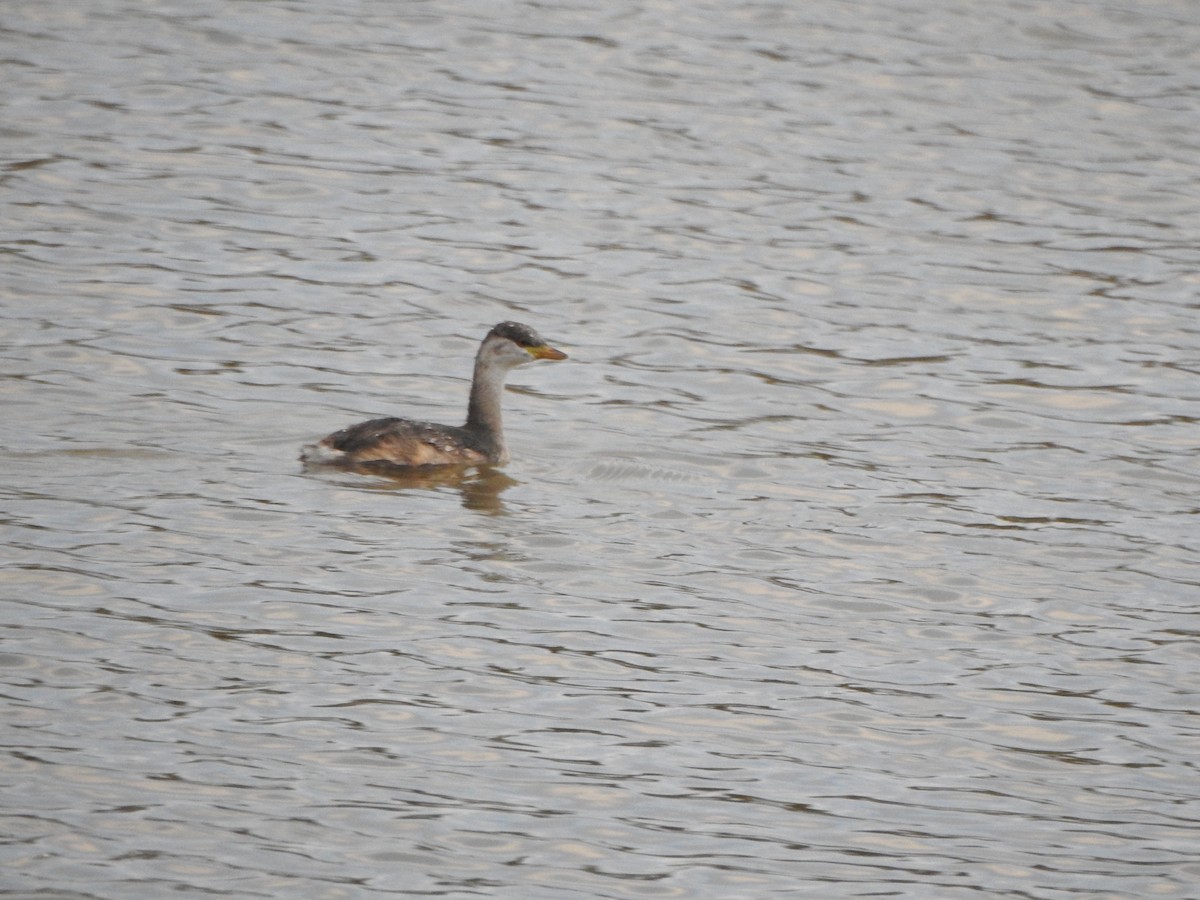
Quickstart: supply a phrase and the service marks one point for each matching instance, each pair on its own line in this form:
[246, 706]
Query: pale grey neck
[483, 410]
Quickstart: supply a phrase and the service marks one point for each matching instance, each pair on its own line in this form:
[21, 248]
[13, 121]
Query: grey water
[852, 553]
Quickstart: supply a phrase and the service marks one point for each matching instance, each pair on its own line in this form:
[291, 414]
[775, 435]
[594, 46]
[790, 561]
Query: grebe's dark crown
[521, 335]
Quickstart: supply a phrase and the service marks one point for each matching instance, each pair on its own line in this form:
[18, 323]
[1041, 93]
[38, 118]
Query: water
[852, 553]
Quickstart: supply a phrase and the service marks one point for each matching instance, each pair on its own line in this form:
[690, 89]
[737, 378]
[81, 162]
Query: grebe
[393, 443]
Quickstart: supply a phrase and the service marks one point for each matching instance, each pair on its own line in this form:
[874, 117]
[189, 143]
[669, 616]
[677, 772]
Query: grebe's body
[402, 443]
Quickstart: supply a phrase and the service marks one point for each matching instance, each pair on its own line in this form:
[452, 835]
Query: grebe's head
[512, 344]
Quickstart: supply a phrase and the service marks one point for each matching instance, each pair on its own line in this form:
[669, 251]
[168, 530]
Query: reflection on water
[854, 556]
[480, 487]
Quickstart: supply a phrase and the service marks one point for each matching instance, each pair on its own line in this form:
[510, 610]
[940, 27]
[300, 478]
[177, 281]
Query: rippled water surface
[853, 553]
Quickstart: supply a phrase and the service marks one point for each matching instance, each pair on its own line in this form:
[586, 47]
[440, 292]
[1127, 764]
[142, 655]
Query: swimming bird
[405, 443]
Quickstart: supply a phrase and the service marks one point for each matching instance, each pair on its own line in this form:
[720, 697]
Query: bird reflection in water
[479, 486]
